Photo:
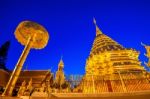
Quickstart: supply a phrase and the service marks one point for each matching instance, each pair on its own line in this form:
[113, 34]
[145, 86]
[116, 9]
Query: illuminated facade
[112, 68]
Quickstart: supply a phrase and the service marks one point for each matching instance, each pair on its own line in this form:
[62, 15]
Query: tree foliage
[3, 54]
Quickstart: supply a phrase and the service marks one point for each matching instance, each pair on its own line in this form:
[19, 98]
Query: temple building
[38, 78]
[111, 67]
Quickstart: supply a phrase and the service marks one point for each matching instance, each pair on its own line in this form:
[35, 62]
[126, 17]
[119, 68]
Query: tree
[3, 54]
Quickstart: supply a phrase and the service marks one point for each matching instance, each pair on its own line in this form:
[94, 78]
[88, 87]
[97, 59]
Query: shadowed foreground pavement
[137, 95]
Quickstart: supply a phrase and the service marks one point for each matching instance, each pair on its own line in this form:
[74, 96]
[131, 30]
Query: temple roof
[104, 43]
[37, 76]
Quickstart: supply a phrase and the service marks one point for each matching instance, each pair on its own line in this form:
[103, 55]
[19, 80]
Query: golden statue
[49, 90]
[43, 87]
[22, 89]
[29, 88]
[32, 35]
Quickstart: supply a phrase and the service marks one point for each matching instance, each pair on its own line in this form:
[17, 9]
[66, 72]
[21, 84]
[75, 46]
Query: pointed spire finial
[94, 20]
[61, 63]
[98, 31]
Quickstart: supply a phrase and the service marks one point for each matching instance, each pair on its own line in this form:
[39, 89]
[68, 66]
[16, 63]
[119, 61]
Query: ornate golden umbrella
[32, 35]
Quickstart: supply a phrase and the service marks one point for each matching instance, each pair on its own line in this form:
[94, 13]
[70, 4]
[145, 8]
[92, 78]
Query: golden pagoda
[60, 77]
[112, 68]
[60, 81]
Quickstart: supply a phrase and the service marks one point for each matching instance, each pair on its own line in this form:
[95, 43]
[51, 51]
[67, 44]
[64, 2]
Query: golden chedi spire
[112, 68]
[103, 43]
[107, 56]
[98, 31]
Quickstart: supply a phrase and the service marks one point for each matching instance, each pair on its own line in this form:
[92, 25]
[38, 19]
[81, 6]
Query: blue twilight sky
[71, 29]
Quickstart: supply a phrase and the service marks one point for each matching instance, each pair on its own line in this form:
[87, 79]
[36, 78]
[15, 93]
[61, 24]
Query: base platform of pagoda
[131, 95]
[6, 97]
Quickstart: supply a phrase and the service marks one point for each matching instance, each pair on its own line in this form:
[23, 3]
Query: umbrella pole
[16, 72]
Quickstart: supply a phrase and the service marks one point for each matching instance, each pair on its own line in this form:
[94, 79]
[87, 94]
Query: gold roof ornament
[147, 50]
[32, 35]
[147, 53]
